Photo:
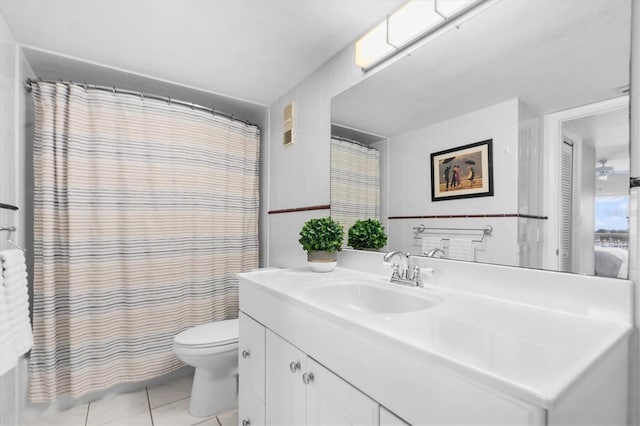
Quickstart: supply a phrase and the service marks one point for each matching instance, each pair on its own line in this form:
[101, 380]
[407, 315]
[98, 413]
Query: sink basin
[361, 296]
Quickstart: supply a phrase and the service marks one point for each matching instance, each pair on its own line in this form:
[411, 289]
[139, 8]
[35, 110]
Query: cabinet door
[285, 391]
[332, 401]
[250, 408]
[251, 355]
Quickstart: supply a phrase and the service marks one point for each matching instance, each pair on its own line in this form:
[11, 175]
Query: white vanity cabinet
[273, 376]
[471, 361]
[281, 385]
[300, 391]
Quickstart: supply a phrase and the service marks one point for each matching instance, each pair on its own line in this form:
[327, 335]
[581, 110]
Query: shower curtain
[145, 211]
[355, 182]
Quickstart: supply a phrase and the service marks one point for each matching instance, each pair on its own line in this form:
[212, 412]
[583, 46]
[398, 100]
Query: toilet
[212, 349]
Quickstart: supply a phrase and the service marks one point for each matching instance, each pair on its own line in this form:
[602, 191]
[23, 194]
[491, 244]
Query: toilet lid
[215, 333]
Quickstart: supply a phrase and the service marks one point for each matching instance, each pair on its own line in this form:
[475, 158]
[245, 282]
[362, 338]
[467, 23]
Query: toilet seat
[210, 335]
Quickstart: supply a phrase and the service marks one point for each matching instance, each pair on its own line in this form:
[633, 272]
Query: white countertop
[525, 351]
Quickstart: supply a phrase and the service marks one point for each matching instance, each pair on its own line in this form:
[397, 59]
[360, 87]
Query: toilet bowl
[213, 350]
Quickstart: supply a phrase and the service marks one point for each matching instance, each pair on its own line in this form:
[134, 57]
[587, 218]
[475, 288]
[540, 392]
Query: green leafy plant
[321, 234]
[367, 234]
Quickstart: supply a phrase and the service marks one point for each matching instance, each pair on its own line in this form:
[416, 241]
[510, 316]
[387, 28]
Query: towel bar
[421, 229]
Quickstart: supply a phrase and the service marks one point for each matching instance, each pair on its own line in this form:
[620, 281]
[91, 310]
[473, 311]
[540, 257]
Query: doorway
[590, 190]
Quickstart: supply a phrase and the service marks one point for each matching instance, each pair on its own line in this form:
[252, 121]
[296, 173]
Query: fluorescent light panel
[373, 46]
[411, 21]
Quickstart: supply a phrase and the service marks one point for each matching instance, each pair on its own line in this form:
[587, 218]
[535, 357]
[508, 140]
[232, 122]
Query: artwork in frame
[462, 172]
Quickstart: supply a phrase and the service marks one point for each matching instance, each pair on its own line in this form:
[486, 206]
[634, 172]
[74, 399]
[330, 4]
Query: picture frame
[462, 172]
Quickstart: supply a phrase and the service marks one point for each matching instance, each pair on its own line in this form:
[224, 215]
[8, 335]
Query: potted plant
[367, 234]
[322, 240]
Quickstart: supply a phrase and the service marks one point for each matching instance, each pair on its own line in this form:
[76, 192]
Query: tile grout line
[206, 420]
[168, 403]
[146, 389]
[86, 417]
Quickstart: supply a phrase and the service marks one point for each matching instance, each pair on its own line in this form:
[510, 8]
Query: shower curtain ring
[142, 96]
[114, 90]
[169, 100]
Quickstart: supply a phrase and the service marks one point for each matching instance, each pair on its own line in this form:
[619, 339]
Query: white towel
[8, 354]
[429, 243]
[461, 249]
[12, 258]
[16, 300]
[15, 271]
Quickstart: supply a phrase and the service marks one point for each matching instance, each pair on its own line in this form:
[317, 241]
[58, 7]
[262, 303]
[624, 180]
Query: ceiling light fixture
[405, 27]
[603, 171]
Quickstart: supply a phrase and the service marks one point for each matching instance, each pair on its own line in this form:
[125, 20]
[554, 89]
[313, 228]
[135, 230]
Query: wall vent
[288, 125]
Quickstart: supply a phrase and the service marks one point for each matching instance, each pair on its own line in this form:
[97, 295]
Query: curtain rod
[142, 95]
[340, 138]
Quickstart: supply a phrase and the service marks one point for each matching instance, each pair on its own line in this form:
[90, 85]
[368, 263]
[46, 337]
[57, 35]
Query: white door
[332, 401]
[285, 391]
[251, 371]
[251, 354]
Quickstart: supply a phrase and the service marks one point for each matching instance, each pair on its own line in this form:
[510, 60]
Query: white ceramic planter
[322, 261]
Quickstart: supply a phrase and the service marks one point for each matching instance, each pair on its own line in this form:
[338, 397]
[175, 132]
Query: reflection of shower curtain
[355, 182]
[144, 213]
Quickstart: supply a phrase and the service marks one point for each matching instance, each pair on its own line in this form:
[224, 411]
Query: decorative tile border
[470, 216]
[301, 209]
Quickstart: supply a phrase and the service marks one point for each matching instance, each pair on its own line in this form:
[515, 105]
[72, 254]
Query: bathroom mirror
[534, 77]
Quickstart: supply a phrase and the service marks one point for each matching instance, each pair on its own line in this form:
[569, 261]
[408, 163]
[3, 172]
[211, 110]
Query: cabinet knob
[294, 366]
[246, 422]
[307, 378]
[245, 354]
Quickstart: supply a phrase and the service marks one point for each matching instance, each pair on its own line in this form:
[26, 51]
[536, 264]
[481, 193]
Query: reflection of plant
[367, 234]
[321, 234]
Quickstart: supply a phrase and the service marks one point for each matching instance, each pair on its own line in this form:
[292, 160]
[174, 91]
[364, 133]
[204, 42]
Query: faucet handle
[396, 271]
[417, 278]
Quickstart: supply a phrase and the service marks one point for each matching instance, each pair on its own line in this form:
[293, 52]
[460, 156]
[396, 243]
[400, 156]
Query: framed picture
[462, 172]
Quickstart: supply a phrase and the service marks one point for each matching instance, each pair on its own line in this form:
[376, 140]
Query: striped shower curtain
[145, 211]
[355, 182]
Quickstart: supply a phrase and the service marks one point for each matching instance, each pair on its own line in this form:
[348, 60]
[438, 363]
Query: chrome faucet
[434, 251]
[408, 276]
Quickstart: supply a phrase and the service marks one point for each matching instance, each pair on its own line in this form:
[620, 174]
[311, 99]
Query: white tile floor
[161, 405]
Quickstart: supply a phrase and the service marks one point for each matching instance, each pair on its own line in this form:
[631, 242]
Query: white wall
[410, 170]
[299, 173]
[16, 128]
[409, 174]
